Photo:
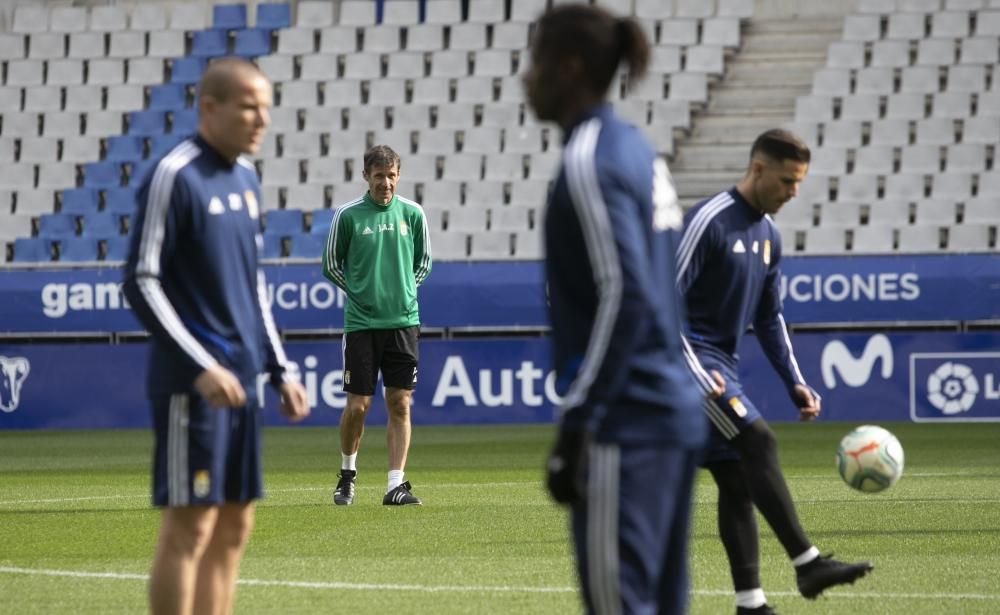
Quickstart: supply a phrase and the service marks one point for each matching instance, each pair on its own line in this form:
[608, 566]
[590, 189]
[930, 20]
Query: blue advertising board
[861, 377]
[511, 295]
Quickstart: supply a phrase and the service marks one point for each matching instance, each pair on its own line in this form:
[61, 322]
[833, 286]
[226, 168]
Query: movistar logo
[855, 372]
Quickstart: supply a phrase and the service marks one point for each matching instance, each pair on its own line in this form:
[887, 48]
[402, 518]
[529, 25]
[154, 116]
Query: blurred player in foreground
[193, 280]
[631, 427]
[728, 271]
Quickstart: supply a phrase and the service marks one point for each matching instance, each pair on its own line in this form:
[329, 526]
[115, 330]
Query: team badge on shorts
[347, 376]
[202, 483]
[738, 407]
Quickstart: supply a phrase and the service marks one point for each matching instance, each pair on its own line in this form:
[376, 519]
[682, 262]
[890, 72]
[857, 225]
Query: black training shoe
[400, 496]
[343, 495]
[764, 609]
[824, 572]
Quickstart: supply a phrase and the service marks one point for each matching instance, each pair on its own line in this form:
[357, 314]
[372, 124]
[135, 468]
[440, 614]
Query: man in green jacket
[378, 252]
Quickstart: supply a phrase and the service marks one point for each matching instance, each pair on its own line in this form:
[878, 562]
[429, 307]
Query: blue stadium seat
[306, 246]
[321, 221]
[102, 175]
[186, 71]
[116, 248]
[138, 171]
[184, 122]
[167, 97]
[78, 249]
[146, 123]
[79, 201]
[31, 250]
[209, 43]
[283, 222]
[272, 247]
[125, 148]
[120, 201]
[100, 225]
[56, 226]
[274, 15]
[229, 16]
[159, 145]
[252, 43]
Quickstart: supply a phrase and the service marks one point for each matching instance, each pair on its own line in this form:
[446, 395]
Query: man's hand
[220, 388]
[565, 472]
[294, 401]
[720, 385]
[807, 403]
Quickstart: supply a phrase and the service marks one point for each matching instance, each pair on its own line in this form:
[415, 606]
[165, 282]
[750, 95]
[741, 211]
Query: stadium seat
[529, 193]
[356, 66]
[85, 45]
[120, 200]
[919, 239]
[510, 218]
[188, 16]
[432, 91]
[357, 13]
[482, 140]
[15, 177]
[474, 90]
[116, 248]
[101, 175]
[187, 70]
[688, 86]
[981, 129]
[78, 249]
[280, 171]
[950, 24]
[314, 14]
[229, 16]
[150, 17]
[284, 222]
[321, 221]
[56, 226]
[32, 250]
[528, 245]
[68, 19]
[935, 52]
[402, 12]
[380, 39]
[327, 170]
[705, 59]
[425, 37]
[969, 238]
[843, 133]
[124, 97]
[55, 175]
[909, 26]
[167, 97]
[127, 148]
[100, 225]
[451, 246]
[210, 43]
[46, 45]
[184, 122]
[146, 71]
[403, 65]
[905, 186]
[24, 73]
[484, 194]
[447, 12]
[873, 240]
[449, 64]
[862, 27]
[39, 149]
[36, 202]
[857, 187]
[889, 213]
[79, 201]
[441, 195]
[967, 78]
[159, 145]
[965, 157]
[252, 42]
[490, 245]
[296, 41]
[846, 54]
[272, 247]
[108, 19]
[934, 212]
[273, 15]
[306, 245]
[146, 123]
[952, 186]
[920, 159]
[875, 160]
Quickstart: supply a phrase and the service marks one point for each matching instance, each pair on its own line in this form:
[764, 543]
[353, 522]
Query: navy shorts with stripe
[728, 415]
[631, 530]
[205, 456]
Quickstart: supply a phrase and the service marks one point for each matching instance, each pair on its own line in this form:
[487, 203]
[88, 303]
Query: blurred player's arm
[154, 240]
[284, 374]
[695, 245]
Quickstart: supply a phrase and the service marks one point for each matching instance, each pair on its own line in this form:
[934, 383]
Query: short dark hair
[780, 145]
[381, 155]
[220, 75]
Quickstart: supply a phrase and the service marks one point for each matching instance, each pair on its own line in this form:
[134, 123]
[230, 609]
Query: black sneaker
[824, 572]
[343, 495]
[400, 496]
[763, 609]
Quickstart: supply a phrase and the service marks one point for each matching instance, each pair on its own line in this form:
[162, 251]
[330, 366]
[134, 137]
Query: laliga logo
[13, 372]
[837, 359]
[952, 388]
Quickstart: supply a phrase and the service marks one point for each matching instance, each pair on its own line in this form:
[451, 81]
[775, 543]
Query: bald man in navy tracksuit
[728, 272]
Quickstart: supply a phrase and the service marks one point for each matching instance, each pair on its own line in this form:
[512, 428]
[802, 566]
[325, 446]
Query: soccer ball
[870, 459]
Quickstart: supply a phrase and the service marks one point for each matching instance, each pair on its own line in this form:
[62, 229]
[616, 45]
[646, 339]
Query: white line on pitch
[480, 588]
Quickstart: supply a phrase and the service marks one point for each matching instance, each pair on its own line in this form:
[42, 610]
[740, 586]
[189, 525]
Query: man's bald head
[222, 76]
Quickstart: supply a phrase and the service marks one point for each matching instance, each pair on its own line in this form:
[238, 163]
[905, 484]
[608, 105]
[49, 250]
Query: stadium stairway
[774, 65]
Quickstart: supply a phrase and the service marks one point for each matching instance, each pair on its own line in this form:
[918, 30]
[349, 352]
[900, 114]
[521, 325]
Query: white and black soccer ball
[870, 459]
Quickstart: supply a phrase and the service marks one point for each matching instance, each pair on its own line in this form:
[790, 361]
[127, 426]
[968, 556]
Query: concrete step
[720, 129]
[756, 97]
[807, 42]
[745, 74]
[696, 185]
[814, 58]
[711, 157]
[832, 26]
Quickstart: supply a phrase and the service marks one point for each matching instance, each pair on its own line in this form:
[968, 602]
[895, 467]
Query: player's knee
[757, 441]
[397, 403]
[234, 530]
[188, 536]
[358, 404]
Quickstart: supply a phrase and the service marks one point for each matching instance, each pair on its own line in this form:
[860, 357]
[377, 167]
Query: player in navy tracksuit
[192, 278]
[631, 426]
[727, 268]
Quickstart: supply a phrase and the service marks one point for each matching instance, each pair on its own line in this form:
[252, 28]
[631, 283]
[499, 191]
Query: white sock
[810, 554]
[347, 462]
[751, 598]
[395, 480]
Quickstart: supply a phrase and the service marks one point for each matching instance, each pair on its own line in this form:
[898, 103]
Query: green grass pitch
[77, 531]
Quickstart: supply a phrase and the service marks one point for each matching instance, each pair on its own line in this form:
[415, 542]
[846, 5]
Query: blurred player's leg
[184, 535]
[220, 564]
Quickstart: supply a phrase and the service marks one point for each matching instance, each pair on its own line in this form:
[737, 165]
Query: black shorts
[391, 351]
